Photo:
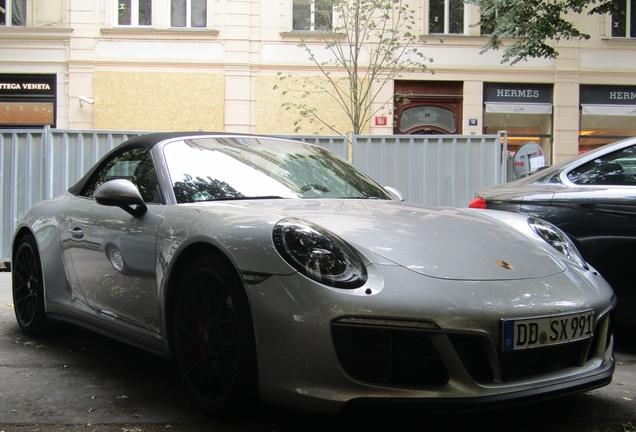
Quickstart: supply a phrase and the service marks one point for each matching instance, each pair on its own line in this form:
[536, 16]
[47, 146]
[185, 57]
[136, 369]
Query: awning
[518, 108]
[615, 110]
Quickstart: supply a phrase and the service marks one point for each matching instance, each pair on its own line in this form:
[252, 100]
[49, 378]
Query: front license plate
[539, 332]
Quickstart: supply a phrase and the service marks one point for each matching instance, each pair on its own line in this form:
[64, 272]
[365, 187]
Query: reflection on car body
[272, 270]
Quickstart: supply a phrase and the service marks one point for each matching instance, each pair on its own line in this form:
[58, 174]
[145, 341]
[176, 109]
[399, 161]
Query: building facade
[214, 65]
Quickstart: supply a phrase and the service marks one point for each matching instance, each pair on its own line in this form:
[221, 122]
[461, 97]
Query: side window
[617, 168]
[13, 12]
[188, 13]
[134, 165]
[446, 16]
[134, 13]
[312, 15]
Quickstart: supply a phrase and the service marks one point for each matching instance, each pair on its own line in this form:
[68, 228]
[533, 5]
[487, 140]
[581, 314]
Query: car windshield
[223, 168]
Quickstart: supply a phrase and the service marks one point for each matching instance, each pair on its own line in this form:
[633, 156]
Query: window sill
[307, 34]
[48, 33]
[619, 39]
[172, 33]
[468, 40]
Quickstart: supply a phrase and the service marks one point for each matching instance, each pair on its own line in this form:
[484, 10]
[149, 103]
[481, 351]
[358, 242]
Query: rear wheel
[28, 288]
[213, 338]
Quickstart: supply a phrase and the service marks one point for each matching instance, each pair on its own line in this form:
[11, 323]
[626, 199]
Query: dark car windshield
[223, 168]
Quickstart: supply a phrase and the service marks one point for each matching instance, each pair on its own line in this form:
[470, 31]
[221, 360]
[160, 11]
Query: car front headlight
[558, 240]
[319, 254]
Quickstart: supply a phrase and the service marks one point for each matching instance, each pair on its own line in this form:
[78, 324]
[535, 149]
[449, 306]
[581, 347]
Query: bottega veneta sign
[28, 86]
[24, 86]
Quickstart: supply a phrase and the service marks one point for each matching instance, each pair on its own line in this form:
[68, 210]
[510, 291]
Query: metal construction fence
[36, 164]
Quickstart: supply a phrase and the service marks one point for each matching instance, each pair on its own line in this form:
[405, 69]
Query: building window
[446, 16]
[312, 15]
[134, 12]
[188, 13]
[12, 12]
[624, 23]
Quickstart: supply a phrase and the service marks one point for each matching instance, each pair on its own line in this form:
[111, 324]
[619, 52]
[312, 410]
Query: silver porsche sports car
[272, 270]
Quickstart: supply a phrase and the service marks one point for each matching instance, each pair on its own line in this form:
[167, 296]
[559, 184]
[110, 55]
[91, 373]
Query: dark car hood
[444, 243]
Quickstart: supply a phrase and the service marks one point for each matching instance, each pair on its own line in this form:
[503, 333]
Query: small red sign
[380, 121]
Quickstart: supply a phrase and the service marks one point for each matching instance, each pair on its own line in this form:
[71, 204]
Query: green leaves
[532, 25]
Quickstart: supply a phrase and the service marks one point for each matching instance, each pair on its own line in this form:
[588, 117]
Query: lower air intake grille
[388, 356]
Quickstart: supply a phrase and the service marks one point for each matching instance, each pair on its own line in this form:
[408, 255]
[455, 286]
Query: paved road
[79, 381]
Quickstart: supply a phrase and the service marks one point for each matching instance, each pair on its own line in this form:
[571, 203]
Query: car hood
[446, 243]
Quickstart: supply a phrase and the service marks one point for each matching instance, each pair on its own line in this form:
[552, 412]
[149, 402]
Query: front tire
[213, 338]
[28, 288]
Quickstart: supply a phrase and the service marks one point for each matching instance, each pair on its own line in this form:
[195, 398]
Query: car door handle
[77, 233]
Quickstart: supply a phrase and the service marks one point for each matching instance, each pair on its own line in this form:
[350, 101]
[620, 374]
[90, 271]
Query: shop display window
[521, 128]
[26, 113]
[608, 114]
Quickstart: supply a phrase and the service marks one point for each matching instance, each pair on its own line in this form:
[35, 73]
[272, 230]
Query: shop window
[188, 13]
[134, 12]
[608, 114]
[523, 110]
[12, 12]
[314, 15]
[446, 16]
[27, 113]
[522, 127]
[27, 100]
[599, 128]
[624, 22]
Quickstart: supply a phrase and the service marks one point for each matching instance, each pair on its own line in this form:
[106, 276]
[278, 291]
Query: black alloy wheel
[213, 338]
[28, 288]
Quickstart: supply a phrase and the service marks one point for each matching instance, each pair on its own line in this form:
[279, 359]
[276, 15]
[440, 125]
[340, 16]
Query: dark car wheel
[28, 289]
[213, 338]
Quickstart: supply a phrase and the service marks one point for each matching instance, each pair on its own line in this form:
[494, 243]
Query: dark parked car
[592, 197]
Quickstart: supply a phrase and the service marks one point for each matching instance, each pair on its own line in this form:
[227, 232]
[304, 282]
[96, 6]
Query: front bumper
[311, 357]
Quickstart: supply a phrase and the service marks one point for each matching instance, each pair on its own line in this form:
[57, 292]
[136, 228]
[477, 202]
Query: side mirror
[121, 193]
[394, 192]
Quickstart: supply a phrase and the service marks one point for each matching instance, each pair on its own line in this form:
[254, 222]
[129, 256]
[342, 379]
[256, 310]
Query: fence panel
[442, 170]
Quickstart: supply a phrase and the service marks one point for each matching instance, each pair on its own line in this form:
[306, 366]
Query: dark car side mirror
[121, 193]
